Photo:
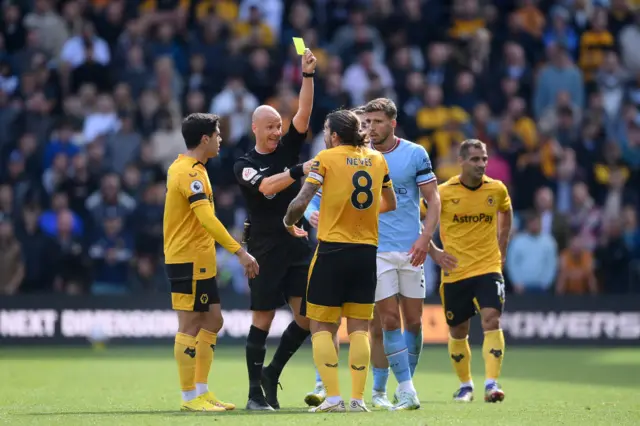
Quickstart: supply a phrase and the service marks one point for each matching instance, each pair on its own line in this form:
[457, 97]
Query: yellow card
[299, 43]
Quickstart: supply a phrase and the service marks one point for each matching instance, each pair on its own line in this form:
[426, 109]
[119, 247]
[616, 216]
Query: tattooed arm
[299, 204]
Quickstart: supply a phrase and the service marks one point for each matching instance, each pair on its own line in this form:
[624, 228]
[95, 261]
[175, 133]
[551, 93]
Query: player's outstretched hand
[444, 260]
[419, 250]
[308, 62]
[297, 232]
[249, 263]
[313, 219]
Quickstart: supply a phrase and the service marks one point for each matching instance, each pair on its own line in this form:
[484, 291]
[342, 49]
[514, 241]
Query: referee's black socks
[292, 338]
[256, 350]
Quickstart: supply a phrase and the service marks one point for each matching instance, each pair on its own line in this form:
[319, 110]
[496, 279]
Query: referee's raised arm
[305, 101]
[269, 176]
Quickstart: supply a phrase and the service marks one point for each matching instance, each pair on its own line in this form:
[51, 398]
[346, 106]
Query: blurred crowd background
[92, 93]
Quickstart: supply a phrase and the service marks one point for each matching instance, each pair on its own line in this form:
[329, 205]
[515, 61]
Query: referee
[269, 176]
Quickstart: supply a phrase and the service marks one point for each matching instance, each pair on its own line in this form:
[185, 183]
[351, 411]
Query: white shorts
[396, 275]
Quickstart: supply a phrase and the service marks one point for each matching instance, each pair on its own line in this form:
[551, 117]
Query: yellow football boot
[213, 400]
[200, 404]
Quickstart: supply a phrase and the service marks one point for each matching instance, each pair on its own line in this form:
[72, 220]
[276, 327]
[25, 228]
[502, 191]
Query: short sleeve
[293, 140]
[505, 200]
[424, 169]
[318, 170]
[247, 174]
[192, 186]
[386, 180]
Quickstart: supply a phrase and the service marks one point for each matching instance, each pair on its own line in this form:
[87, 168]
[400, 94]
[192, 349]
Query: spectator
[37, 248]
[49, 26]
[109, 197]
[532, 259]
[11, 259]
[560, 75]
[72, 272]
[111, 254]
[74, 51]
[614, 259]
[576, 273]
[235, 104]
[629, 39]
[123, 146]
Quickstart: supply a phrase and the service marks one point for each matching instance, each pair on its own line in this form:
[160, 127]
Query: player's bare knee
[491, 321]
[302, 321]
[214, 323]
[391, 320]
[413, 324]
[354, 324]
[263, 319]
[375, 330]
[189, 322]
[460, 331]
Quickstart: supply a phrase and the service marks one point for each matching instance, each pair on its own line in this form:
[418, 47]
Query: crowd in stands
[92, 94]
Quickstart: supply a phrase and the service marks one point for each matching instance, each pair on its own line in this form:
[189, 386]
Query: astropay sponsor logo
[111, 324]
[575, 325]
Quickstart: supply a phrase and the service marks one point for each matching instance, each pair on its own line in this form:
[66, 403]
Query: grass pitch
[139, 386]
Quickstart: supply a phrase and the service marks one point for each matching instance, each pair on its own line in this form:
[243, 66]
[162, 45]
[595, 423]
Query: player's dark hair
[466, 145]
[346, 125]
[382, 104]
[197, 125]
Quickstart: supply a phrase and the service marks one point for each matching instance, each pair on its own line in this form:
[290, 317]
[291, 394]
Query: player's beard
[380, 140]
[327, 141]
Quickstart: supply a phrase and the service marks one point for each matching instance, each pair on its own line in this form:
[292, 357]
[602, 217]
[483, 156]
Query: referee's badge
[248, 173]
[196, 187]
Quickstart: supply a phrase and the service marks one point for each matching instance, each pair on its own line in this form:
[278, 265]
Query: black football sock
[256, 350]
[292, 338]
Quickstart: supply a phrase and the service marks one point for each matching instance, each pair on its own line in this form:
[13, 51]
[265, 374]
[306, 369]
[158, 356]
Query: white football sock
[202, 388]
[406, 386]
[189, 395]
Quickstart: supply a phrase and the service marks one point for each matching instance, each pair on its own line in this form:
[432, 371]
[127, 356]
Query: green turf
[581, 386]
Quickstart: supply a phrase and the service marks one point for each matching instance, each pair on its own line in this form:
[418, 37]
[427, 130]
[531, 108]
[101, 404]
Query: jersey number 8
[362, 197]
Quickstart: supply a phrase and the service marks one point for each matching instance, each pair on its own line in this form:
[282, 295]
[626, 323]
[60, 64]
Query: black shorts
[342, 282]
[462, 299]
[188, 294]
[284, 265]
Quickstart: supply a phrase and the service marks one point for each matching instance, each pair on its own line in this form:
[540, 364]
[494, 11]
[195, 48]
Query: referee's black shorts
[284, 266]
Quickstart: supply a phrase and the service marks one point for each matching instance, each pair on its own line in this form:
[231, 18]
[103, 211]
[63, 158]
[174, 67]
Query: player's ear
[394, 123]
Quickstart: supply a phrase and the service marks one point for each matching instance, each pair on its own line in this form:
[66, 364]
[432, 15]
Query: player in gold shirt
[191, 231]
[475, 223]
[356, 188]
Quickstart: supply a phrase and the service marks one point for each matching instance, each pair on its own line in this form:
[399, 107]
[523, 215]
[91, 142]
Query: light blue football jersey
[409, 168]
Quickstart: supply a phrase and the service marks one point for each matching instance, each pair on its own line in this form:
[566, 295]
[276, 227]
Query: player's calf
[412, 311]
[460, 355]
[395, 347]
[380, 365]
[319, 393]
[493, 348]
[206, 340]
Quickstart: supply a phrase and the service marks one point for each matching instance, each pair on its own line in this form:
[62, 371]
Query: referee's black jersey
[267, 211]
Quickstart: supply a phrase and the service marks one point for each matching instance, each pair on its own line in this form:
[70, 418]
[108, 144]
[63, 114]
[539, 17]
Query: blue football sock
[396, 350]
[414, 346]
[380, 377]
[318, 378]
